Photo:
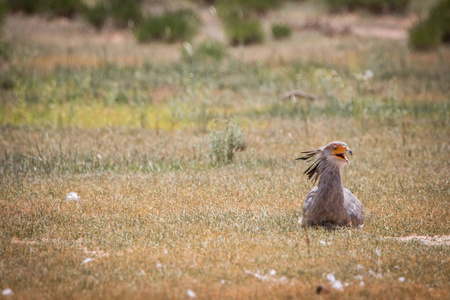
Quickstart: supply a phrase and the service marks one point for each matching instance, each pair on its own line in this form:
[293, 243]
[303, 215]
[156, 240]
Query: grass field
[158, 216]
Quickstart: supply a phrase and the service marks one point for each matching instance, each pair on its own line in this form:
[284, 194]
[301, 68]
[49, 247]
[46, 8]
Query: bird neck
[330, 185]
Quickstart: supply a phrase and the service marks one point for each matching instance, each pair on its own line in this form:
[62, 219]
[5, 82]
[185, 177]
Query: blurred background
[190, 64]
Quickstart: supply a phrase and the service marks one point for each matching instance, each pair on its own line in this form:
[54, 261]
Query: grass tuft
[225, 142]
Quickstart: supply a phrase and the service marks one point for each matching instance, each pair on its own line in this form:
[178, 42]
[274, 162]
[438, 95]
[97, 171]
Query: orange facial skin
[340, 151]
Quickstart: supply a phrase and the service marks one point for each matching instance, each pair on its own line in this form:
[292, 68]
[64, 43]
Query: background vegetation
[431, 32]
[375, 6]
[182, 154]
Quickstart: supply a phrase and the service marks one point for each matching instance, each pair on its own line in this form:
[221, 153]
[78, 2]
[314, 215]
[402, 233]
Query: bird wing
[306, 208]
[354, 208]
[310, 199]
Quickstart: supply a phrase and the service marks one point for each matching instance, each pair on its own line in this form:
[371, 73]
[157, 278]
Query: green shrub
[224, 143]
[208, 51]
[440, 14]
[3, 11]
[430, 33]
[244, 31]
[240, 21]
[25, 6]
[52, 8]
[174, 26]
[280, 31]
[61, 8]
[125, 13]
[375, 6]
[97, 15]
[425, 35]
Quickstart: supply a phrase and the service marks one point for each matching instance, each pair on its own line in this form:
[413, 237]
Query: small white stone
[401, 279]
[322, 242]
[361, 283]
[337, 285]
[158, 265]
[331, 277]
[87, 260]
[191, 294]
[7, 292]
[272, 272]
[72, 196]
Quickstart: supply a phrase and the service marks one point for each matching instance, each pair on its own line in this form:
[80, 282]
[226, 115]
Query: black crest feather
[312, 172]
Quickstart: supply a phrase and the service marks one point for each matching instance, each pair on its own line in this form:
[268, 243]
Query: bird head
[335, 152]
[330, 156]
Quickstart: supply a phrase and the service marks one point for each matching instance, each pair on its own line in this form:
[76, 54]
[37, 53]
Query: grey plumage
[329, 203]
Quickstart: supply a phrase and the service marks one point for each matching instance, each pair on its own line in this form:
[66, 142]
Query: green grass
[160, 216]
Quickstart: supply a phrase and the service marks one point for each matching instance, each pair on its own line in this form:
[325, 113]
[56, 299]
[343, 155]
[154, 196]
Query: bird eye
[335, 148]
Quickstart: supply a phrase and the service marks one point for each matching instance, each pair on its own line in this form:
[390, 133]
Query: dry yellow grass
[160, 233]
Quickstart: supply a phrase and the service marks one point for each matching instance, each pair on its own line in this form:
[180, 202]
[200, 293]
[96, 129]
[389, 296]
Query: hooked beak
[351, 154]
[342, 155]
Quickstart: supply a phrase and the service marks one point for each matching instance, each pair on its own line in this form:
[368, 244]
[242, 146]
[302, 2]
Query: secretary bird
[329, 203]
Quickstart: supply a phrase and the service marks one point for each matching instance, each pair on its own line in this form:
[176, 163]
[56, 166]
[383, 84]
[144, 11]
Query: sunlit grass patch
[153, 227]
[97, 115]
